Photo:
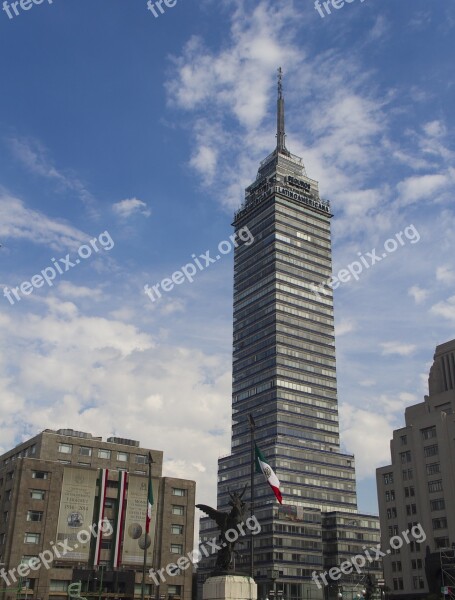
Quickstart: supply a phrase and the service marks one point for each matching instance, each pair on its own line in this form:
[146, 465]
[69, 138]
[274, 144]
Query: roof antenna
[280, 131]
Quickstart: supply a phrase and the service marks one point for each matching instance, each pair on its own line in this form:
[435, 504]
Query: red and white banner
[102, 497]
[122, 483]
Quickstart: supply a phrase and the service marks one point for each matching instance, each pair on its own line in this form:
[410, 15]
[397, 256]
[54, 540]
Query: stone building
[73, 508]
[284, 374]
[418, 487]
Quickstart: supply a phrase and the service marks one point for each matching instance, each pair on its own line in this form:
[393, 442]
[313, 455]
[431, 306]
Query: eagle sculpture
[227, 521]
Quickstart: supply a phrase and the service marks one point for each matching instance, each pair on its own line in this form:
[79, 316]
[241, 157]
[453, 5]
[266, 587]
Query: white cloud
[419, 294]
[435, 129]
[422, 187]
[367, 435]
[69, 290]
[344, 327]
[445, 274]
[379, 29]
[130, 206]
[32, 154]
[20, 222]
[397, 348]
[103, 376]
[445, 309]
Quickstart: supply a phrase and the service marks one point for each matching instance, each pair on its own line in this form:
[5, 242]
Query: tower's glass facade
[284, 375]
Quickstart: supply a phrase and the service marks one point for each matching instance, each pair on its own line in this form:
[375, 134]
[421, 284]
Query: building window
[142, 459]
[58, 585]
[393, 530]
[31, 538]
[442, 542]
[140, 472]
[177, 529]
[37, 494]
[40, 475]
[440, 523]
[405, 457]
[433, 469]
[27, 558]
[34, 515]
[392, 513]
[104, 453]
[178, 510]
[398, 583]
[435, 486]
[85, 451]
[178, 492]
[174, 590]
[428, 433]
[65, 448]
[122, 456]
[432, 450]
[176, 548]
[65, 462]
[438, 504]
[106, 544]
[390, 496]
[416, 563]
[388, 478]
[148, 590]
[417, 582]
[403, 440]
[5, 516]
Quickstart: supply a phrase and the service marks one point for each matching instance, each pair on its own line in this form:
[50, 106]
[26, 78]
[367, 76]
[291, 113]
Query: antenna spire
[280, 131]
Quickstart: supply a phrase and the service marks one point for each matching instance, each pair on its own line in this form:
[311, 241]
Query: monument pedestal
[230, 587]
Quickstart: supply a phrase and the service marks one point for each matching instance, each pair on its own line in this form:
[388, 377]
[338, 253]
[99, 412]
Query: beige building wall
[31, 477]
[418, 487]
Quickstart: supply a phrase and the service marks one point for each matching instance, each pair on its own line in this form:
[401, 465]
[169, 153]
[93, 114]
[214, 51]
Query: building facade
[284, 374]
[418, 488]
[72, 509]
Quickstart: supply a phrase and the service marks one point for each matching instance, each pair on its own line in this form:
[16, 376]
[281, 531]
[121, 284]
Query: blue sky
[149, 129]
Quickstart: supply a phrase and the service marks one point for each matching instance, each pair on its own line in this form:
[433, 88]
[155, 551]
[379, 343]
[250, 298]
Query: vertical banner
[122, 481]
[75, 516]
[135, 538]
[102, 485]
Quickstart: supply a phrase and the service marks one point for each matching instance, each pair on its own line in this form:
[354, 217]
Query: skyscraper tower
[284, 374]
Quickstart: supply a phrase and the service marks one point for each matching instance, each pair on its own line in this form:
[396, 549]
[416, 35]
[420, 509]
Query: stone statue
[227, 522]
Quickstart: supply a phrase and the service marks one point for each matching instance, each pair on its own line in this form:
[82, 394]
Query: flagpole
[144, 564]
[252, 428]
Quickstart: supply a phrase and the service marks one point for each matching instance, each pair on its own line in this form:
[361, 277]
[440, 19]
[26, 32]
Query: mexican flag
[262, 466]
[148, 516]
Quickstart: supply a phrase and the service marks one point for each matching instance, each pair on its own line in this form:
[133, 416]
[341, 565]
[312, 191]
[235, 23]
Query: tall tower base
[230, 587]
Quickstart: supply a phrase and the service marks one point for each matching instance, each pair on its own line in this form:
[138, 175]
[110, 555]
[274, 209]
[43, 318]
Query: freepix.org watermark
[209, 547]
[60, 266]
[59, 549]
[158, 4]
[203, 261]
[11, 8]
[337, 4]
[366, 261]
[359, 561]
